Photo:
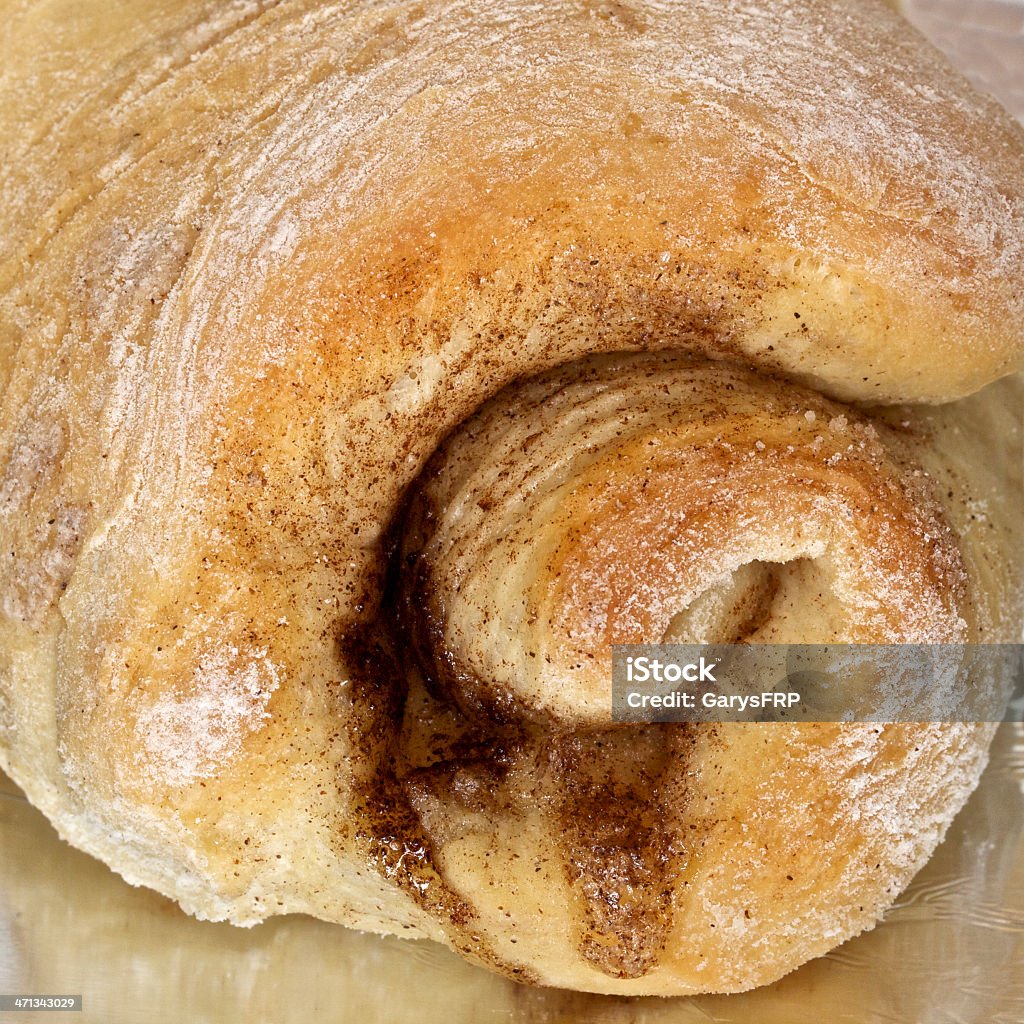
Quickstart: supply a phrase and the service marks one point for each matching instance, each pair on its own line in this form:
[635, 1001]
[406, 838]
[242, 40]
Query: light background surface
[951, 950]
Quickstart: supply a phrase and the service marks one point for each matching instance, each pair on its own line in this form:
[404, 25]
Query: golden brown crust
[258, 260]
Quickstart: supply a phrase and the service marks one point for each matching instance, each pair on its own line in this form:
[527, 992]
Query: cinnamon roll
[368, 370]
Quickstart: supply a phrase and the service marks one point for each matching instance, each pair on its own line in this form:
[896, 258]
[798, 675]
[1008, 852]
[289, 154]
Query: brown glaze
[387, 827]
[418, 615]
[617, 852]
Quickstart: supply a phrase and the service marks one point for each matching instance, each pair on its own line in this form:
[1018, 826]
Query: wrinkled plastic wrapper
[951, 951]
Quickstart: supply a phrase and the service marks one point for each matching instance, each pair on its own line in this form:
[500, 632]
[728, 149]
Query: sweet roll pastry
[366, 370]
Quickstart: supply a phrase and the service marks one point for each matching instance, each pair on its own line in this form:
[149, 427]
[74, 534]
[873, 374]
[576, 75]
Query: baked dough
[258, 261]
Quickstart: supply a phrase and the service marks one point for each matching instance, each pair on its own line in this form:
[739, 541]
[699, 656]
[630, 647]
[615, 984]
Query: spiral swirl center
[640, 498]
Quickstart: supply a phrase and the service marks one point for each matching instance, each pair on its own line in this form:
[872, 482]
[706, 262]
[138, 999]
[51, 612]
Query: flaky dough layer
[259, 260]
